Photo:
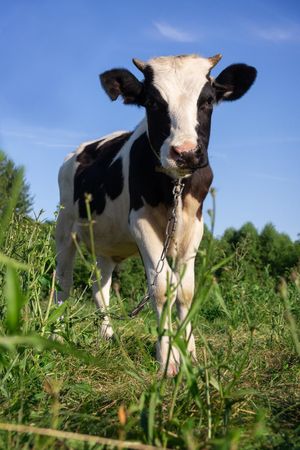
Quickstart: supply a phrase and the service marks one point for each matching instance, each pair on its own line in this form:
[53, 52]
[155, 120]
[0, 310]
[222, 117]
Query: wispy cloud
[56, 145]
[270, 177]
[277, 34]
[174, 34]
[43, 136]
[265, 142]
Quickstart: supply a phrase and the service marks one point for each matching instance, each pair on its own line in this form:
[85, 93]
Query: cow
[130, 176]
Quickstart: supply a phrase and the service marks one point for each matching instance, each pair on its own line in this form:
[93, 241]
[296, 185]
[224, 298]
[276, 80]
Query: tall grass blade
[7, 261]
[14, 299]
[40, 344]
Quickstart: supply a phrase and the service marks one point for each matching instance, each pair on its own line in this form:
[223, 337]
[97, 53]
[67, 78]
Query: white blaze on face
[180, 79]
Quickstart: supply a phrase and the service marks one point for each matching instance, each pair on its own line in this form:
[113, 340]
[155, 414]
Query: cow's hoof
[57, 338]
[194, 360]
[173, 369]
[193, 356]
[106, 332]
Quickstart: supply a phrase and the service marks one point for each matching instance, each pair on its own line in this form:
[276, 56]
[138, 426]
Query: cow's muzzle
[189, 159]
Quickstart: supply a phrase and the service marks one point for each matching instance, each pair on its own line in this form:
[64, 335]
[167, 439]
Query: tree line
[267, 252]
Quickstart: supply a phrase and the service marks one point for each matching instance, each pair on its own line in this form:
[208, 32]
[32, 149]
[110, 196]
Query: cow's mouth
[191, 161]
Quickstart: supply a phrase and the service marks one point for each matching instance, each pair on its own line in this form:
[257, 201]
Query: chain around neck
[169, 235]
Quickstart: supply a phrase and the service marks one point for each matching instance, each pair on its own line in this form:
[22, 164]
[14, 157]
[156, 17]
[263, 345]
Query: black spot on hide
[205, 104]
[96, 175]
[157, 111]
[146, 184]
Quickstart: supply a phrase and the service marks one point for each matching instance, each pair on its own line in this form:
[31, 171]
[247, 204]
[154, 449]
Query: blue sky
[50, 97]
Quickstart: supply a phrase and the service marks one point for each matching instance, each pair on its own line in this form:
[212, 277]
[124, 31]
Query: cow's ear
[234, 81]
[117, 82]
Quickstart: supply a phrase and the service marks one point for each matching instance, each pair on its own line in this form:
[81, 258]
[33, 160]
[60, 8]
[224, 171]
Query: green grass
[242, 394]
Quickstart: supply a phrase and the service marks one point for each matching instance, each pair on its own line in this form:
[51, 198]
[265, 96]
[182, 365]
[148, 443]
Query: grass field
[242, 394]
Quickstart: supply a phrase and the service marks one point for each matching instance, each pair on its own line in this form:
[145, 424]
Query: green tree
[244, 244]
[277, 250]
[8, 174]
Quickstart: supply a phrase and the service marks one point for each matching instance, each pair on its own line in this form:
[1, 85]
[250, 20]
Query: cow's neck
[146, 180]
[151, 184]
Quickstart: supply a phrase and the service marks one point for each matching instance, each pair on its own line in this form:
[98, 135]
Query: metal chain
[169, 234]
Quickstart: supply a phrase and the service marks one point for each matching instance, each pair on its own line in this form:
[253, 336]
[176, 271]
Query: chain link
[169, 234]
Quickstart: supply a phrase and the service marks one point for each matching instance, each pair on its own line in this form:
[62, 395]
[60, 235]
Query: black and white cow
[130, 176]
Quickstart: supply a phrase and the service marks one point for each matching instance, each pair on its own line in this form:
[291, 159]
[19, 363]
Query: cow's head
[179, 94]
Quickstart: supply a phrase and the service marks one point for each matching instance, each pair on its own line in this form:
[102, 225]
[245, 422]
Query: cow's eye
[152, 104]
[207, 104]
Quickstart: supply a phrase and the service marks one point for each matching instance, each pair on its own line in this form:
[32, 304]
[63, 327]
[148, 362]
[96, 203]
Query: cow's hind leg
[66, 251]
[101, 290]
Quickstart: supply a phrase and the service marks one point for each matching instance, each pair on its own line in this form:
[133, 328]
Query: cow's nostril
[175, 152]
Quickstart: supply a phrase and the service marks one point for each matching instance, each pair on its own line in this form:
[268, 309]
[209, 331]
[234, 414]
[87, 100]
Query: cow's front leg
[162, 288]
[101, 293]
[185, 270]
[185, 294]
[167, 355]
